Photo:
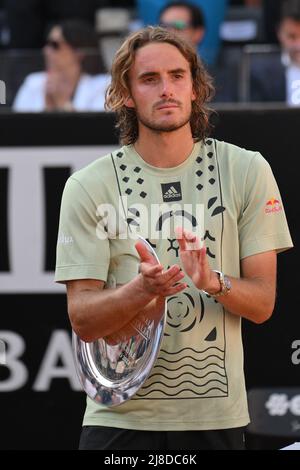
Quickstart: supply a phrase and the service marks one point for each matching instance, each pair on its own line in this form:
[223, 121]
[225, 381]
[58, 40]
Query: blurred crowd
[55, 55]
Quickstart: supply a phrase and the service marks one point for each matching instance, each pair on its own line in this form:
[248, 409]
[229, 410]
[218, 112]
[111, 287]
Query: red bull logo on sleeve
[273, 206]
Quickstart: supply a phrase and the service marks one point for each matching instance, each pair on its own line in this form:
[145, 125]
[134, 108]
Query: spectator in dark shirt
[276, 77]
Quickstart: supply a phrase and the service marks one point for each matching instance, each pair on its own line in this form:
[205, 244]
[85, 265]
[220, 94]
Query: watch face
[227, 283]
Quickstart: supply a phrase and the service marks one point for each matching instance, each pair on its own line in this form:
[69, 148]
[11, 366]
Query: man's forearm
[99, 313]
[253, 299]
[153, 311]
[96, 313]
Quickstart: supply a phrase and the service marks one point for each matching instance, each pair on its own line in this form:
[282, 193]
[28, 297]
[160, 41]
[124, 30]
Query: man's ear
[129, 102]
[199, 35]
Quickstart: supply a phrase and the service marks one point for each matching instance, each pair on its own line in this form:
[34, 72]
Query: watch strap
[225, 285]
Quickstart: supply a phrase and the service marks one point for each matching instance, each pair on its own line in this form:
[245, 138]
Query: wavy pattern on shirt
[188, 373]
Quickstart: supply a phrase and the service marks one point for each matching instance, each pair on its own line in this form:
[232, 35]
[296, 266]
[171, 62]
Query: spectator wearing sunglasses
[74, 79]
[188, 21]
[150, 12]
[185, 19]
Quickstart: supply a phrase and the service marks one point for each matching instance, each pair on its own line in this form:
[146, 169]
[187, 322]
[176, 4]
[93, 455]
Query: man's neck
[165, 149]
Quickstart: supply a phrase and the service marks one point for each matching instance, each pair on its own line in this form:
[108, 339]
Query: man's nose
[166, 88]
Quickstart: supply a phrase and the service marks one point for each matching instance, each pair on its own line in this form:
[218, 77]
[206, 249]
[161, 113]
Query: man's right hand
[157, 283]
[58, 91]
[154, 280]
[97, 313]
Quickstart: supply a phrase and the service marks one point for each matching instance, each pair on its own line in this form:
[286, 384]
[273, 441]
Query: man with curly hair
[194, 396]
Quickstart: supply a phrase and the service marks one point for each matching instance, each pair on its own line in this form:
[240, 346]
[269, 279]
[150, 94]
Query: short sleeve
[262, 224]
[81, 252]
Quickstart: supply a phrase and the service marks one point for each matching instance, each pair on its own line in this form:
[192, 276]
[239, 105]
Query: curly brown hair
[119, 89]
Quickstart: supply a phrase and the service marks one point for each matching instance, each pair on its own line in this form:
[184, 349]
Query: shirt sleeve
[82, 253]
[262, 223]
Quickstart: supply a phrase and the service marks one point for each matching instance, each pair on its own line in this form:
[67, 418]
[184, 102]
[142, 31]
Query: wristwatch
[225, 285]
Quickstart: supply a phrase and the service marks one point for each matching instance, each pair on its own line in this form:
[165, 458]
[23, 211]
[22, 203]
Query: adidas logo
[171, 191]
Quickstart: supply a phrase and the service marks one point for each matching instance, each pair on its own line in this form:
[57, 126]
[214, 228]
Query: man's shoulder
[100, 173]
[238, 161]
[96, 172]
[231, 153]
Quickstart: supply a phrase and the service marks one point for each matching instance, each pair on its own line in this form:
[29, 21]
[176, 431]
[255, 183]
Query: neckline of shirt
[171, 171]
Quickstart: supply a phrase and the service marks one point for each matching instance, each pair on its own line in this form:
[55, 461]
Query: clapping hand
[194, 259]
[157, 282]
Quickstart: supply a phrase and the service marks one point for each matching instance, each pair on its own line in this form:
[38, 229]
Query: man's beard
[160, 127]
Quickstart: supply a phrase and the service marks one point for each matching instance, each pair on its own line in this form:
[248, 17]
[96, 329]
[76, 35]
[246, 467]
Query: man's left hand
[195, 262]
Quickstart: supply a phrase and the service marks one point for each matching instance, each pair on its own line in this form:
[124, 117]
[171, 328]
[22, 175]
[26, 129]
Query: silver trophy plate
[112, 374]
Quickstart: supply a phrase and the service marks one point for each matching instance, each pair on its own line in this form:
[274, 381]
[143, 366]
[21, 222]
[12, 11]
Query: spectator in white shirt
[72, 80]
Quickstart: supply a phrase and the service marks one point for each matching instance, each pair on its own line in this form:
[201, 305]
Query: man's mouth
[167, 106]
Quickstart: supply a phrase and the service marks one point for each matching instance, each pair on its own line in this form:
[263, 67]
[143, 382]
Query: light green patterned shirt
[197, 382]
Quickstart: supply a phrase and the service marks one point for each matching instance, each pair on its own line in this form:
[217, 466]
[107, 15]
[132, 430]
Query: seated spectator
[185, 19]
[148, 12]
[72, 80]
[277, 77]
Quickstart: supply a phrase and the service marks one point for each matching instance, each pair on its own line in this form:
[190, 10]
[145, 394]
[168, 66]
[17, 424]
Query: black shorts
[107, 438]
